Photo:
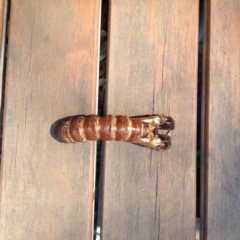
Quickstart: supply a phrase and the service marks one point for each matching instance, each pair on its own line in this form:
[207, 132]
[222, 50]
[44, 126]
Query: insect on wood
[141, 130]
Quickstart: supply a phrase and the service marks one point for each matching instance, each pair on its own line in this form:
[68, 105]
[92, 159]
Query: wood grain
[152, 69]
[47, 188]
[221, 132]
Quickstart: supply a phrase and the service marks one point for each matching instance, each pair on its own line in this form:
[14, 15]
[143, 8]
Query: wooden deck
[147, 194]
[50, 71]
[221, 118]
[52, 61]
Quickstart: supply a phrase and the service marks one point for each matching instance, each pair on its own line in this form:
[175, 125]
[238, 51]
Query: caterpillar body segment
[143, 130]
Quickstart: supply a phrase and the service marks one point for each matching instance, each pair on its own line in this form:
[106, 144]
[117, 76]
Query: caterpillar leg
[160, 142]
[160, 122]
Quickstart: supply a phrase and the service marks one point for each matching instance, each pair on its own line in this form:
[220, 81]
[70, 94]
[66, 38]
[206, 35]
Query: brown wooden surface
[152, 68]
[221, 133]
[47, 186]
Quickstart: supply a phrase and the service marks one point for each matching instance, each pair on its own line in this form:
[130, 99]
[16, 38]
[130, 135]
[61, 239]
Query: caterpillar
[141, 130]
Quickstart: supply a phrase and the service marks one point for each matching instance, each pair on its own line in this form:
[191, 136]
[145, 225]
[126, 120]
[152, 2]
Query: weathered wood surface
[221, 133]
[152, 68]
[46, 186]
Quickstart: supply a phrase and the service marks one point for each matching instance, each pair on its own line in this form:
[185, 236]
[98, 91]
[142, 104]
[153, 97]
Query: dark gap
[101, 107]
[199, 106]
[3, 67]
[205, 120]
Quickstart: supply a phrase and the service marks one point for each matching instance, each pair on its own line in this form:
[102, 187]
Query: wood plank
[47, 188]
[152, 68]
[221, 133]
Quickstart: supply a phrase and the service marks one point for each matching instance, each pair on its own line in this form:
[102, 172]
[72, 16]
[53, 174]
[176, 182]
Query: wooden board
[221, 133]
[152, 68]
[47, 188]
